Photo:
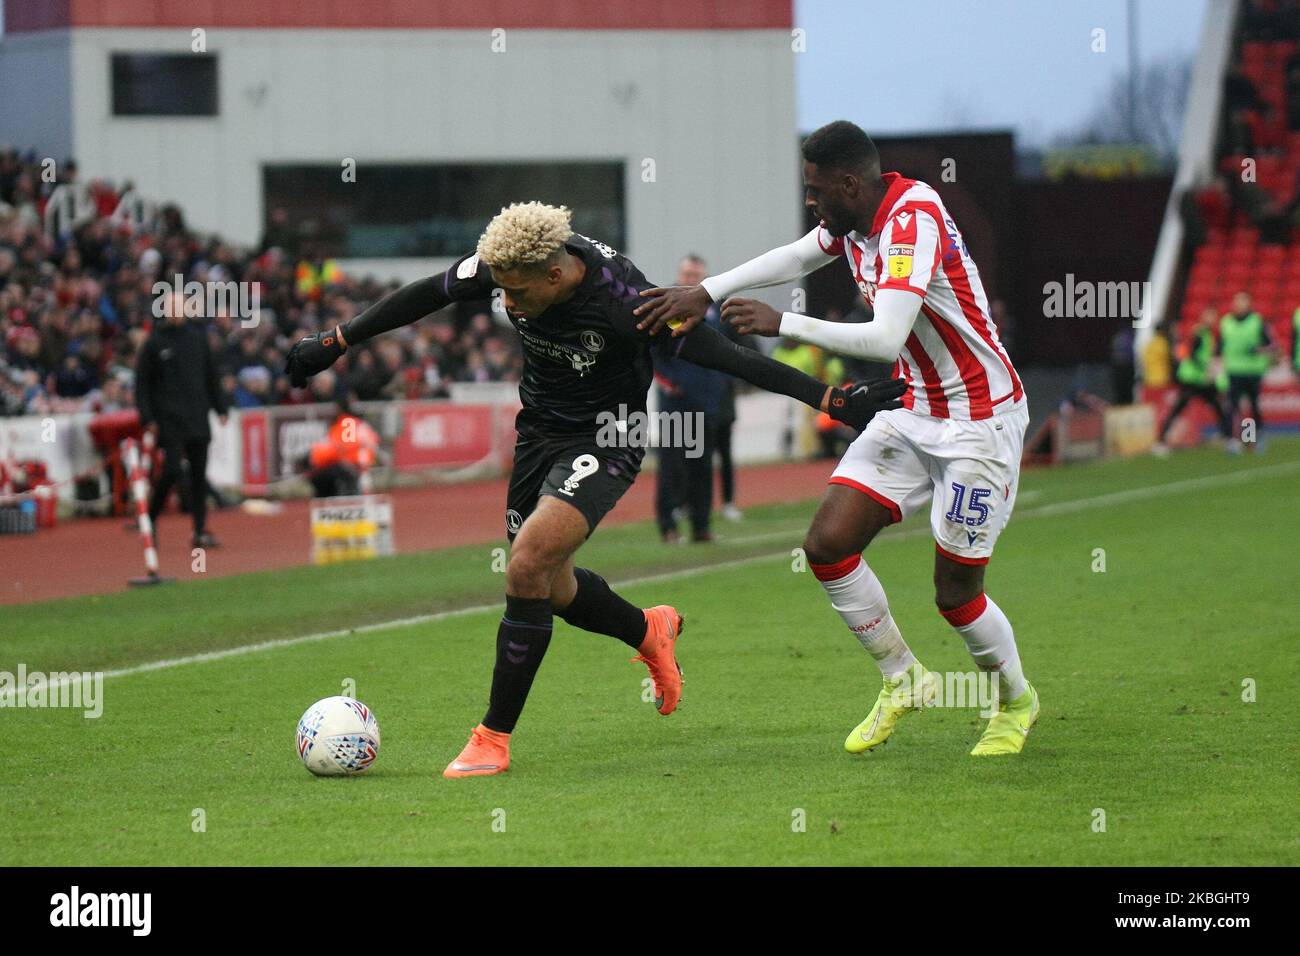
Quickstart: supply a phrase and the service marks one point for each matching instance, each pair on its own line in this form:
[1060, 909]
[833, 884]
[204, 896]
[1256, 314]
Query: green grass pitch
[1141, 670]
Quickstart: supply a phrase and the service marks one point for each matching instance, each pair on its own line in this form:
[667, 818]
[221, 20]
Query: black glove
[855, 405]
[312, 354]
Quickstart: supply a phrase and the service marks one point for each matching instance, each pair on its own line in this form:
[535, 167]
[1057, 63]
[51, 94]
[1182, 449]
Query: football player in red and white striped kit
[955, 445]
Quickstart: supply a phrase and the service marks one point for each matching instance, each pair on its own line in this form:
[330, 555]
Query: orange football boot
[663, 625]
[487, 752]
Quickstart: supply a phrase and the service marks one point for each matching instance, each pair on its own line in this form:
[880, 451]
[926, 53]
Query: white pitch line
[1048, 510]
[436, 616]
[1152, 491]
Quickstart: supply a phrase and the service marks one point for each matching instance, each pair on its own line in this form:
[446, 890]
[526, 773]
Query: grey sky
[898, 66]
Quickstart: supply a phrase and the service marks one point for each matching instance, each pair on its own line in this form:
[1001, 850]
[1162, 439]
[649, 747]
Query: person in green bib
[1195, 376]
[1247, 352]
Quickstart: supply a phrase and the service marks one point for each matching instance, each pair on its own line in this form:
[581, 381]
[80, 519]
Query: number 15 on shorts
[969, 509]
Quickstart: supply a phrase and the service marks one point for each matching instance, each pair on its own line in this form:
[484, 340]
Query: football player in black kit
[571, 300]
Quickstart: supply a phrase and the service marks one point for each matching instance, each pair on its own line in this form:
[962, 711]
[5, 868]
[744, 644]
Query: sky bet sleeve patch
[899, 261]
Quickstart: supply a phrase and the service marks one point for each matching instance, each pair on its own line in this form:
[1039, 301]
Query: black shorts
[1243, 386]
[576, 470]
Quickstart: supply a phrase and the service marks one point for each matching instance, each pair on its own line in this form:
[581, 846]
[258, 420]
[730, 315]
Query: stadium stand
[1243, 226]
[78, 263]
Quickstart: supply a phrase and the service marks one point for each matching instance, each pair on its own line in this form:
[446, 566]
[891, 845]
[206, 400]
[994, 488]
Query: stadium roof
[26, 16]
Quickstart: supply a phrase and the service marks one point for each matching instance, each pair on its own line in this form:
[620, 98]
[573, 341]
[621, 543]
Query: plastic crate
[19, 518]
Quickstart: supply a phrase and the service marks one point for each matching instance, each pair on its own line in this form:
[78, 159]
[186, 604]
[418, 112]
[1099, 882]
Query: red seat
[1254, 51]
[1231, 164]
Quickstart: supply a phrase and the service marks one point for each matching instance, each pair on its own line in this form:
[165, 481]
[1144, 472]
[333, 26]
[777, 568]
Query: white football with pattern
[338, 736]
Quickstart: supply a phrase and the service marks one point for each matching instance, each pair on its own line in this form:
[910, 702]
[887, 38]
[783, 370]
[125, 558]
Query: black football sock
[596, 608]
[522, 639]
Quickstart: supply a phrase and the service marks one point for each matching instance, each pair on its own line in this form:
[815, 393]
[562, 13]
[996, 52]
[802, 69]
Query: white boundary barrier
[431, 430]
[1195, 159]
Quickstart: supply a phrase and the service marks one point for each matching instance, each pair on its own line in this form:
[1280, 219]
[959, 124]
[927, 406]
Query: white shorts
[968, 472]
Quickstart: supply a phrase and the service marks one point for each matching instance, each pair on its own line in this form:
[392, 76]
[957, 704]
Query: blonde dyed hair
[524, 234]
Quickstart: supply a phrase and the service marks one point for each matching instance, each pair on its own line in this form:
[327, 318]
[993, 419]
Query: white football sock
[991, 643]
[856, 593]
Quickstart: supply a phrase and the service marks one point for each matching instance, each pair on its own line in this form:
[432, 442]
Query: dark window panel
[166, 84]
[436, 209]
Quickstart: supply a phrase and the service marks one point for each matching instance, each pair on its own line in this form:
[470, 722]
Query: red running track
[99, 555]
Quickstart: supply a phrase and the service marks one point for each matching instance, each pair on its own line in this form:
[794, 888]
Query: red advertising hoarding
[253, 437]
[439, 435]
[1279, 405]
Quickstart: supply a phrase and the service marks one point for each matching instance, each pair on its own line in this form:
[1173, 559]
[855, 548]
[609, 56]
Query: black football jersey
[586, 366]
[582, 357]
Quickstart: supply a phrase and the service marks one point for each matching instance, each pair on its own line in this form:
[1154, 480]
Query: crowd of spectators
[1243, 225]
[1260, 139]
[78, 267]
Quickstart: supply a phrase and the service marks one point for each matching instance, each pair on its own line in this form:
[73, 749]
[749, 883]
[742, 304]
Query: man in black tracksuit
[689, 397]
[175, 386]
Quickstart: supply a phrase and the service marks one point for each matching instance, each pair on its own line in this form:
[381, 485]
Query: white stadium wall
[1195, 158]
[713, 110]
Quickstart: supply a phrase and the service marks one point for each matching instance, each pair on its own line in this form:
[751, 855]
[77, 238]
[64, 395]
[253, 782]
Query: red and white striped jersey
[953, 359]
